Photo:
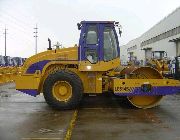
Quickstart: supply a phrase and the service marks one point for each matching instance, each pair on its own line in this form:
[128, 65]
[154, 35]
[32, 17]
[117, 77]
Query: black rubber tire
[73, 80]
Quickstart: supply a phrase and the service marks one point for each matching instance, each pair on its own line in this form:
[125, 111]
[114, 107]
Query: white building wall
[123, 54]
[168, 23]
[165, 45]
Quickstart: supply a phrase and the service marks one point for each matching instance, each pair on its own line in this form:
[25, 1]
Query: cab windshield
[159, 55]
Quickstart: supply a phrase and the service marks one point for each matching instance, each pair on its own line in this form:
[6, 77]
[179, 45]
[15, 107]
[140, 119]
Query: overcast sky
[57, 19]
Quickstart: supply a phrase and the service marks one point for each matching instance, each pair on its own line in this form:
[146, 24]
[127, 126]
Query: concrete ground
[98, 118]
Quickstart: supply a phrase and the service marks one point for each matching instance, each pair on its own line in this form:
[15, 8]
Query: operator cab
[159, 55]
[98, 44]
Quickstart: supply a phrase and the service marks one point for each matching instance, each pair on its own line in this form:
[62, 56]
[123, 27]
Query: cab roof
[96, 22]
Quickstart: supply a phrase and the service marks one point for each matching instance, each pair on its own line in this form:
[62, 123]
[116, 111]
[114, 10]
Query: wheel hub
[62, 91]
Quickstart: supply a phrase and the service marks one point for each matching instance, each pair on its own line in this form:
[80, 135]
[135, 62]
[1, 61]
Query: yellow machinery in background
[9, 68]
[160, 62]
[8, 74]
[64, 75]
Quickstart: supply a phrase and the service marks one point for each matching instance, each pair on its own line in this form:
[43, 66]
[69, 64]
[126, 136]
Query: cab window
[92, 35]
[91, 56]
[110, 45]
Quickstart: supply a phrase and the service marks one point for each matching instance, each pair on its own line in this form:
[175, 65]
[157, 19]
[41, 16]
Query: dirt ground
[98, 118]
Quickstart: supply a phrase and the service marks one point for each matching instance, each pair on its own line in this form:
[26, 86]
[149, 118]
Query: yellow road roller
[93, 66]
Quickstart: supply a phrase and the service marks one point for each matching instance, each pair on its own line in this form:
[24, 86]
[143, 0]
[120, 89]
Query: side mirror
[79, 26]
[119, 27]
[120, 32]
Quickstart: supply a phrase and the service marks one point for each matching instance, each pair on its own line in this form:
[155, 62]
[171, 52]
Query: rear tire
[63, 90]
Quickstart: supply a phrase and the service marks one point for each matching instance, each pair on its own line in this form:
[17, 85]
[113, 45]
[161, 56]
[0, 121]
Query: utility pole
[35, 32]
[5, 33]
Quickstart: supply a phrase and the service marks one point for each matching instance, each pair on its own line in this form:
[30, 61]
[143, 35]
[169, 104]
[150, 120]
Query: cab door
[89, 52]
[90, 44]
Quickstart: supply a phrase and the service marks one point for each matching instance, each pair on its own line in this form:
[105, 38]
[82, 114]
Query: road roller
[93, 66]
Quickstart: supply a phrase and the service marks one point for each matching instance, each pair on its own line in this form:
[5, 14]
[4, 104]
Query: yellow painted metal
[66, 55]
[100, 66]
[28, 81]
[8, 74]
[146, 73]
[127, 85]
[95, 77]
[1, 78]
[144, 101]
[92, 81]
[160, 65]
[92, 78]
[62, 91]
[98, 82]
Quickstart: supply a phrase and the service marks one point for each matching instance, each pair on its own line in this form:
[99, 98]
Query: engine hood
[64, 54]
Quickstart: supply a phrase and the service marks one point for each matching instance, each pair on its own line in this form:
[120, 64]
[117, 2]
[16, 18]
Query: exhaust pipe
[49, 44]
